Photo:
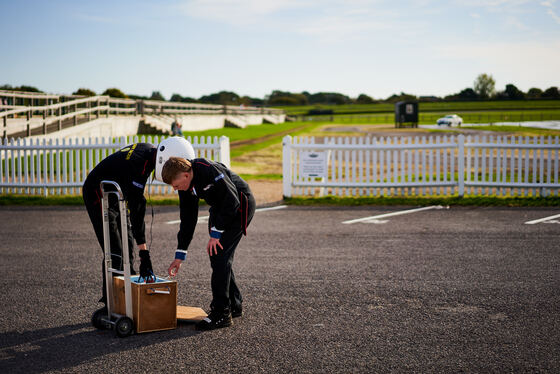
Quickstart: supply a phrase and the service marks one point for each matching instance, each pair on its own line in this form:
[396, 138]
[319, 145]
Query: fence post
[45, 122]
[461, 164]
[58, 112]
[75, 114]
[28, 123]
[224, 150]
[287, 166]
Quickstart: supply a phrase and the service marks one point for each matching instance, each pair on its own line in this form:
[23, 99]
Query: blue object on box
[139, 280]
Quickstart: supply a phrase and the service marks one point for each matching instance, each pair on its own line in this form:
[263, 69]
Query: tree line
[483, 89]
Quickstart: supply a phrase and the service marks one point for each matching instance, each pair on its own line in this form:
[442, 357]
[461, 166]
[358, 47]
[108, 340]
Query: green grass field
[440, 107]
[273, 134]
[431, 118]
[250, 132]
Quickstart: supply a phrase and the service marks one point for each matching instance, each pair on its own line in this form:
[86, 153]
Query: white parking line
[205, 218]
[542, 220]
[271, 208]
[375, 219]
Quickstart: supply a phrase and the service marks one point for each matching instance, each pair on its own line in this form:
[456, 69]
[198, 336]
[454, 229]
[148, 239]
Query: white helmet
[174, 146]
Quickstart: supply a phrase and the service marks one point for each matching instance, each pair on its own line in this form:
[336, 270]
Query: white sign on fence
[313, 164]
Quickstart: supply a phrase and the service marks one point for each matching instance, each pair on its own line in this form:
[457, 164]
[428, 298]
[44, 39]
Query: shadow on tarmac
[57, 348]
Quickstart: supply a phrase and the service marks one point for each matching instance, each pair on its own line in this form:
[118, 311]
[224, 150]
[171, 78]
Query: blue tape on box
[136, 279]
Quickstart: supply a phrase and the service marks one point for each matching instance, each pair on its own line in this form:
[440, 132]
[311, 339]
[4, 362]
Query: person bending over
[232, 206]
[130, 167]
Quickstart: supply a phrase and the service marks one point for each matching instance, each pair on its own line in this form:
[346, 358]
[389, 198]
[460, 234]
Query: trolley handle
[118, 191]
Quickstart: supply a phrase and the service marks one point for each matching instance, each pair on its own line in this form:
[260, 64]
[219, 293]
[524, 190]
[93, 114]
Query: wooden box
[154, 305]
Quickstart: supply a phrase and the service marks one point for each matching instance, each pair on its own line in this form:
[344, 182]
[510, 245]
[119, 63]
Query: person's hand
[174, 267]
[146, 270]
[213, 245]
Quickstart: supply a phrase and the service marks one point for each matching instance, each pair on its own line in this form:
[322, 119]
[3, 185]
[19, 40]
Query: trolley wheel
[96, 318]
[124, 327]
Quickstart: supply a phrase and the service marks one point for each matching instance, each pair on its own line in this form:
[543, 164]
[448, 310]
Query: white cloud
[549, 5]
[325, 20]
[340, 23]
[554, 16]
[493, 3]
[336, 20]
[237, 12]
[516, 23]
[519, 7]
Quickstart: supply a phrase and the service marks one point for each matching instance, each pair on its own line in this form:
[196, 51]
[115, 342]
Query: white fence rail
[405, 166]
[61, 166]
[48, 112]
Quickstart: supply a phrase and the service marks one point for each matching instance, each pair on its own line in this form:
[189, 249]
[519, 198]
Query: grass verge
[451, 106]
[67, 200]
[553, 201]
[271, 176]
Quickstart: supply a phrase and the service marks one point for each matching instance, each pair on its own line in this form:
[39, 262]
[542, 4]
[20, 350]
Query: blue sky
[197, 47]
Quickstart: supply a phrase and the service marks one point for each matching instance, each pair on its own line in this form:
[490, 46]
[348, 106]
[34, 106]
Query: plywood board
[190, 314]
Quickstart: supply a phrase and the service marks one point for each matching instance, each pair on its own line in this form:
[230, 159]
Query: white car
[450, 120]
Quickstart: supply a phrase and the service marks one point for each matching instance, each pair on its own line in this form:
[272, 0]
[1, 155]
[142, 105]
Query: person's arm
[188, 212]
[137, 207]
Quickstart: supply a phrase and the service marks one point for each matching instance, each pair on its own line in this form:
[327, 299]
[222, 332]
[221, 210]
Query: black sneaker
[215, 320]
[236, 312]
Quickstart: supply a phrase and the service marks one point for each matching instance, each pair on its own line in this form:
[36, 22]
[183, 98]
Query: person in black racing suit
[232, 206]
[130, 167]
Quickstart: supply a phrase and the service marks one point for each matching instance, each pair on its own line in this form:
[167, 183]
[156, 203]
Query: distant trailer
[406, 114]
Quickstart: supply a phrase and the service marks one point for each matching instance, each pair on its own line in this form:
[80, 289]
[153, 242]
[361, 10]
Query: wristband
[215, 233]
[180, 255]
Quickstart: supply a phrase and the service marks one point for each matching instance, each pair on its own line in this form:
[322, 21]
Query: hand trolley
[106, 317]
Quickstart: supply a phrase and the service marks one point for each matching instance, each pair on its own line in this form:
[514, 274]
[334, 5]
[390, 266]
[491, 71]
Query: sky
[252, 47]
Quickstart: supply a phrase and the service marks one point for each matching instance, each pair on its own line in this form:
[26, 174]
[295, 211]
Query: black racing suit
[130, 167]
[232, 206]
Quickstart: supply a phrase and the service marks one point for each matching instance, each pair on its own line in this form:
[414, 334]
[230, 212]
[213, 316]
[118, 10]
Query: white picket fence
[419, 166]
[60, 166]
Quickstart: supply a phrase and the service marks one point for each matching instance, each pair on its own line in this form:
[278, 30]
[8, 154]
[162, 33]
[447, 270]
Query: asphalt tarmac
[443, 290]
